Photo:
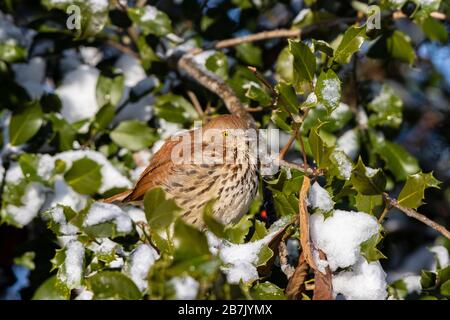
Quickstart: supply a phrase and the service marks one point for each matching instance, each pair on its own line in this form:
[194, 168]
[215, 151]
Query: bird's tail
[120, 197]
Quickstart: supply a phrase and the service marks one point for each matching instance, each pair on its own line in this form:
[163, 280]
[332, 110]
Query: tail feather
[120, 197]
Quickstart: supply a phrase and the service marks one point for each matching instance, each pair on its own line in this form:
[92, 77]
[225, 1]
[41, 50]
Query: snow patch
[341, 235]
[104, 212]
[349, 143]
[319, 198]
[140, 262]
[367, 281]
[73, 264]
[186, 288]
[77, 93]
[344, 165]
[32, 201]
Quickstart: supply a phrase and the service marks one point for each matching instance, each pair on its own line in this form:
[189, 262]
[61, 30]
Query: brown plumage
[233, 184]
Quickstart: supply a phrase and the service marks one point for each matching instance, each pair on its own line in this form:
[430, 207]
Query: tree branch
[414, 214]
[215, 84]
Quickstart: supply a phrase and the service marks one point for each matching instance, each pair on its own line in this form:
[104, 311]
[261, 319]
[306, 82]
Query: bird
[217, 162]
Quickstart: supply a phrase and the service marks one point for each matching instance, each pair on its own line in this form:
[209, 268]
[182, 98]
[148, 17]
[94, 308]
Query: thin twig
[265, 35]
[279, 33]
[122, 48]
[289, 143]
[414, 214]
[196, 103]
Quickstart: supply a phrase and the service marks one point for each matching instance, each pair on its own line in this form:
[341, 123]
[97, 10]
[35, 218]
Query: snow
[85, 294]
[111, 177]
[186, 288]
[301, 15]
[11, 34]
[349, 143]
[344, 165]
[150, 13]
[312, 98]
[31, 76]
[367, 281]
[442, 256]
[412, 283]
[104, 212]
[32, 201]
[65, 195]
[58, 216]
[140, 262]
[134, 75]
[319, 198]
[73, 264]
[331, 91]
[341, 235]
[104, 246]
[241, 259]
[77, 93]
[371, 171]
[14, 174]
[94, 5]
[339, 111]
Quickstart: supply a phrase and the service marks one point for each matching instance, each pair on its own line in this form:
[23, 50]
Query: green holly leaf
[218, 63]
[368, 181]
[399, 47]
[434, 30]
[11, 52]
[47, 291]
[304, 62]
[134, 135]
[387, 108]
[427, 279]
[249, 54]
[320, 151]
[260, 231]
[267, 291]
[175, 108]
[84, 176]
[151, 20]
[191, 247]
[370, 204]
[445, 288]
[25, 123]
[257, 93]
[114, 285]
[159, 211]
[413, 191]
[397, 160]
[351, 42]
[239, 231]
[328, 89]
[284, 66]
[213, 225]
[287, 98]
[109, 90]
[369, 248]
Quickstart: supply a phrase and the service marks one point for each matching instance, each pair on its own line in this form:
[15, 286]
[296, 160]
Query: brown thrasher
[214, 162]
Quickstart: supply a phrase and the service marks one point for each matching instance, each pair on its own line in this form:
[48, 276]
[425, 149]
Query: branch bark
[420, 217]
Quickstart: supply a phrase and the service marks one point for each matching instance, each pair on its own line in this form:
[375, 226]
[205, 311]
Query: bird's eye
[225, 133]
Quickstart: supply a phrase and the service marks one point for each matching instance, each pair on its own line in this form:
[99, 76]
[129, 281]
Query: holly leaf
[112, 285]
[328, 90]
[351, 42]
[151, 20]
[387, 107]
[399, 161]
[368, 181]
[369, 248]
[304, 62]
[413, 191]
[159, 211]
[320, 151]
[25, 123]
[84, 176]
[134, 135]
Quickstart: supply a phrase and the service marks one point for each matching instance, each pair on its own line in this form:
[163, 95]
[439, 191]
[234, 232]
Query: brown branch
[265, 35]
[289, 143]
[303, 219]
[420, 217]
[196, 103]
[217, 85]
[312, 172]
[279, 33]
[287, 269]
